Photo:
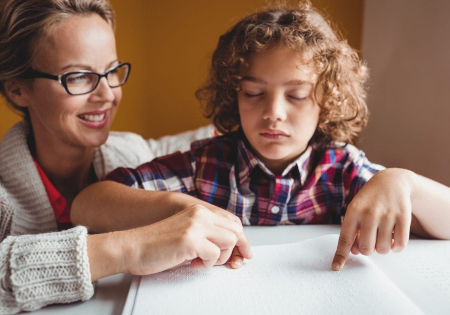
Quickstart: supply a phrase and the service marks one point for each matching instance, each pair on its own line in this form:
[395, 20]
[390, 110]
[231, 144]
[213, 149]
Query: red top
[57, 201]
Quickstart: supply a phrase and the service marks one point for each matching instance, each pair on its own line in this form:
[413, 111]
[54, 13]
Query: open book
[297, 279]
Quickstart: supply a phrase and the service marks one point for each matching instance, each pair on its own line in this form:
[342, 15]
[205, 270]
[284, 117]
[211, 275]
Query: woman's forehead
[78, 40]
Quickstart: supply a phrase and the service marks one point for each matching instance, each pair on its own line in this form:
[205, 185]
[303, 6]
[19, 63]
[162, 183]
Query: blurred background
[169, 44]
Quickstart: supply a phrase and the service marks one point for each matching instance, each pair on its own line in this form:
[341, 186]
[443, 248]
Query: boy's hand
[382, 207]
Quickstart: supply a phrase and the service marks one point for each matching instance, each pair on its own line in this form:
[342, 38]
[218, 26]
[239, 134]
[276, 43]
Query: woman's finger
[228, 223]
[243, 246]
[207, 252]
[222, 238]
[236, 260]
[234, 226]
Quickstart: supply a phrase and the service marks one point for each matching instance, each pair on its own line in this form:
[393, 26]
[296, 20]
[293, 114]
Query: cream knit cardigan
[39, 266]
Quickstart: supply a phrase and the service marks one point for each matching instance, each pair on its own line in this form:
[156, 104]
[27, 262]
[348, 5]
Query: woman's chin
[94, 141]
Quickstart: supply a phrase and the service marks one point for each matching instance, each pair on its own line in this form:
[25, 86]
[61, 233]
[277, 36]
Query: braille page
[280, 279]
[422, 272]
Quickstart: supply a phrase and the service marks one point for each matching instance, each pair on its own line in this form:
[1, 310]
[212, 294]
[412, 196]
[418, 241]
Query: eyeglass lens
[80, 83]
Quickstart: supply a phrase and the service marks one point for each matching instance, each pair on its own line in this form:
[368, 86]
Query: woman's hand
[378, 218]
[236, 259]
[197, 234]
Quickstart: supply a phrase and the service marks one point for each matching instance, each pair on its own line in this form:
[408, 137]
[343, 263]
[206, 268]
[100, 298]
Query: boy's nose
[275, 109]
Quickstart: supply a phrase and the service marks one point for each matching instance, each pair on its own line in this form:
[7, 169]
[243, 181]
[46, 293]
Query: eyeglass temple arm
[34, 74]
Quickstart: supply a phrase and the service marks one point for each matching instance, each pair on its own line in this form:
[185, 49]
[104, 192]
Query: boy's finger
[401, 236]
[345, 243]
[236, 260]
[368, 236]
[384, 238]
[355, 247]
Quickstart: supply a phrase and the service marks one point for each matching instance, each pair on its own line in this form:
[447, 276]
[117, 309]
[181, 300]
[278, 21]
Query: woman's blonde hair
[341, 74]
[24, 23]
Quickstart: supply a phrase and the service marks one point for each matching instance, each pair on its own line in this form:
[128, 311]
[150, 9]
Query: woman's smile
[95, 119]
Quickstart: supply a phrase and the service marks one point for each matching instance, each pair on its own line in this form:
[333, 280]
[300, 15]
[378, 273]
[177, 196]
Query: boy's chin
[274, 158]
[279, 157]
[276, 154]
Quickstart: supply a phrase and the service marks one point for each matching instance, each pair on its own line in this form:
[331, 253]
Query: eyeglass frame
[30, 73]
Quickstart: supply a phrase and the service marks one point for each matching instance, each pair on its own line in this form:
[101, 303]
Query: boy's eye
[295, 98]
[253, 95]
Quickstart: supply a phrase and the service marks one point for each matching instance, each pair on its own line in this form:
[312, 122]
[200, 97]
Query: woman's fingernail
[237, 262]
[335, 266]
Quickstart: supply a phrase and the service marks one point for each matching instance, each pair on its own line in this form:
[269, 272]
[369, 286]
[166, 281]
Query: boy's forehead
[282, 65]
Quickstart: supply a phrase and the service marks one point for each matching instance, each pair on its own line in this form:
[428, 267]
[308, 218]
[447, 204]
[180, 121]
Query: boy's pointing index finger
[345, 243]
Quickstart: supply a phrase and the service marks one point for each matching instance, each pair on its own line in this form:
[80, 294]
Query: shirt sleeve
[6, 213]
[38, 270]
[357, 172]
[43, 269]
[126, 149]
[179, 142]
[173, 173]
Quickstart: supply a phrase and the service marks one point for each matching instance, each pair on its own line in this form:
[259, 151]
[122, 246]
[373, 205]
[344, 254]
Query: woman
[59, 67]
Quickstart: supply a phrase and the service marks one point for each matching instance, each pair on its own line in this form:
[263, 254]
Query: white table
[111, 292]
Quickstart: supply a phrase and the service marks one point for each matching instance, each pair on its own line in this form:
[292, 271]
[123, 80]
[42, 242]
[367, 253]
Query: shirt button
[275, 209]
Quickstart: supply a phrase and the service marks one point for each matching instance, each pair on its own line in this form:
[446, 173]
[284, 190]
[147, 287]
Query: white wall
[406, 44]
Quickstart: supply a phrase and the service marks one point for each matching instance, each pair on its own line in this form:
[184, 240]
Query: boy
[288, 95]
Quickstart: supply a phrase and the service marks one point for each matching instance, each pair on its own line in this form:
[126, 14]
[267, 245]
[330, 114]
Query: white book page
[422, 272]
[284, 279]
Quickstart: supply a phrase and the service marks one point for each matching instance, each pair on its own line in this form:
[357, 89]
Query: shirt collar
[247, 161]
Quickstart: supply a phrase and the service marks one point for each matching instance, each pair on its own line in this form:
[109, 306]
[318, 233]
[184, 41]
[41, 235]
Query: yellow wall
[169, 44]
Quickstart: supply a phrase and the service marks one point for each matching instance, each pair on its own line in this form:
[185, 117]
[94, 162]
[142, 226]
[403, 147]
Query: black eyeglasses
[84, 81]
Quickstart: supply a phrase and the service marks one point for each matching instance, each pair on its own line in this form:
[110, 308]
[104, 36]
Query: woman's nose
[103, 92]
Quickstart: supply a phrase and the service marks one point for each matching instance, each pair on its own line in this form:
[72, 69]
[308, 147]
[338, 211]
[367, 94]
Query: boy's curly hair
[341, 74]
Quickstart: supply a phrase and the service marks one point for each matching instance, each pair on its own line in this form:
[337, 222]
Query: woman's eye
[79, 78]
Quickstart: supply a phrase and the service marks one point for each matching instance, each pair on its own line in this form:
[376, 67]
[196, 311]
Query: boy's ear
[18, 92]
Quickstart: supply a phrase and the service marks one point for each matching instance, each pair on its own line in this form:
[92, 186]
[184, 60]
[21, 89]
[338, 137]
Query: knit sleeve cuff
[50, 268]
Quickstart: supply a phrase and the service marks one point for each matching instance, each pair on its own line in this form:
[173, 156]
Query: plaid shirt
[315, 188]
